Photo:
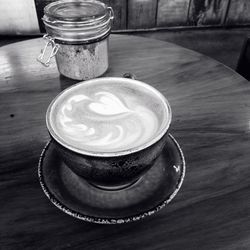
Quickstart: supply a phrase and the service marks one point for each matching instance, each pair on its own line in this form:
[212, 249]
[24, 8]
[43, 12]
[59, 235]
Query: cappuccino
[108, 115]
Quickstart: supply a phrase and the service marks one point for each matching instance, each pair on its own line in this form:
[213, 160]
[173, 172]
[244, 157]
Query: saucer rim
[99, 220]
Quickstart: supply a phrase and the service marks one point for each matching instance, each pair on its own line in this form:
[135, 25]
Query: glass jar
[78, 32]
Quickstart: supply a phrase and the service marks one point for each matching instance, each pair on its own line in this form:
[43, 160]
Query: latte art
[105, 121]
[108, 116]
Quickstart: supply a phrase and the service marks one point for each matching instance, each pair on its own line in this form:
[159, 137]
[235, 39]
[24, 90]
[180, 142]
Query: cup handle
[129, 75]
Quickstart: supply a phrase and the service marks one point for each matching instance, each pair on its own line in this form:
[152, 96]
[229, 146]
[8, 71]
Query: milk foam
[106, 116]
[103, 122]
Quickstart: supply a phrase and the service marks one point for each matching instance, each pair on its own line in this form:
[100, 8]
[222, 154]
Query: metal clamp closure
[111, 13]
[45, 61]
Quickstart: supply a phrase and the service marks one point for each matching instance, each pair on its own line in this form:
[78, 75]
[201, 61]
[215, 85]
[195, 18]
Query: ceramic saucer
[76, 197]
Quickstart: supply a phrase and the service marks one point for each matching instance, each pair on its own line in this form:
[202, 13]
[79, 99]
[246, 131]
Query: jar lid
[77, 20]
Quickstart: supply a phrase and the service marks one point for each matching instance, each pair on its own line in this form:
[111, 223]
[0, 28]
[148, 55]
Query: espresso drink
[108, 115]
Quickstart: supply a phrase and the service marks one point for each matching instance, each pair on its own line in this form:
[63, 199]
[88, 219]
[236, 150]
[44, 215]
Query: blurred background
[216, 28]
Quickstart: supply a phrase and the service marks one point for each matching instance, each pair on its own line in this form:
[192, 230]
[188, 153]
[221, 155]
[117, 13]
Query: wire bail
[54, 48]
[111, 13]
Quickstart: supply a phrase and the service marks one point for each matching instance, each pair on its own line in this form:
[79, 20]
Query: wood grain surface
[120, 13]
[211, 119]
[203, 12]
[24, 17]
[141, 14]
[238, 12]
[172, 12]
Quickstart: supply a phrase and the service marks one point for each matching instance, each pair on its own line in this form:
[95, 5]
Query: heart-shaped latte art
[104, 121]
[108, 104]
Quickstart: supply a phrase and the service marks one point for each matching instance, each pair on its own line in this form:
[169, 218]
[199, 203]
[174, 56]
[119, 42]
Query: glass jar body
[83, 61]
[78, 32]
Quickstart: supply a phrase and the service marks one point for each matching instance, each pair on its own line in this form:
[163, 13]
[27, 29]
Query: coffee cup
[109, 130]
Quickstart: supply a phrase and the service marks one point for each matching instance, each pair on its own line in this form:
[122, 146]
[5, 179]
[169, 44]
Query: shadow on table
[66, 82]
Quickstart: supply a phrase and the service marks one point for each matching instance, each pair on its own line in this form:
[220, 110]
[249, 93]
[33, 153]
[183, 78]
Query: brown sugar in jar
[78, 31]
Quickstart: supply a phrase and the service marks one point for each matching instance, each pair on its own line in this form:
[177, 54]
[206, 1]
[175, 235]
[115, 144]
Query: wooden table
[211, 122]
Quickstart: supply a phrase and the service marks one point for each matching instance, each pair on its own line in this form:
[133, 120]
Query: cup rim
[141, 147]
